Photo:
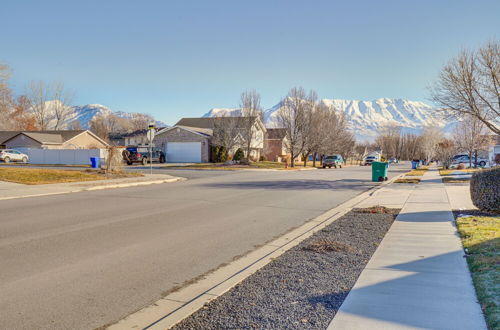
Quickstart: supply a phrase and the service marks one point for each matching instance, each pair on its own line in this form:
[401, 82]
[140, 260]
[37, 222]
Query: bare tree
[431, 135]
[389, 140]
[225, 132]
[103, 125]
[293, 118]
[141, 121]
[5, 97]
[250, 111]
[21, 118]
[469, 86]
[38, 94]
[445, 150]
[61, 104]
[471, 136]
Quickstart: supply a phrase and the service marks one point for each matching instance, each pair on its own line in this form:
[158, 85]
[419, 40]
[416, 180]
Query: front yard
[481, 240]
[33, 176]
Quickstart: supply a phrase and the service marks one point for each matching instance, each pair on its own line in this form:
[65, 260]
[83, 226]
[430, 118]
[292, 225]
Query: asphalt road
[83, 260]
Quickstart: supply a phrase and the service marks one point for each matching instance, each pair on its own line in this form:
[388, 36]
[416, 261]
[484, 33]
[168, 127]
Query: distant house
[70, 139]
[134, 138]
[274, 144]
[190, 139]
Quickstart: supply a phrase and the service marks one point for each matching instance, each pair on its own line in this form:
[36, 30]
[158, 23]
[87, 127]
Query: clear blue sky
[181, 58]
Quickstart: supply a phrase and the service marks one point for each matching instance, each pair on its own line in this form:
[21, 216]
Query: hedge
[485, 189]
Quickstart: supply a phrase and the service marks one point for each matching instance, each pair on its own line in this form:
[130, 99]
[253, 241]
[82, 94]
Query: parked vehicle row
[11, 155]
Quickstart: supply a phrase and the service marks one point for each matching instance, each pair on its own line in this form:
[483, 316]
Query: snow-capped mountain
[365, 117]
[82, 115]
[223, 112]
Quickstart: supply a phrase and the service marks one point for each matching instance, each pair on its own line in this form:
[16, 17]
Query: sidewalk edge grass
[186, 300]
[481, 240]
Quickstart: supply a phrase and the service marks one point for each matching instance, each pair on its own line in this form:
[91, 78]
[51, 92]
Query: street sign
[151, 134]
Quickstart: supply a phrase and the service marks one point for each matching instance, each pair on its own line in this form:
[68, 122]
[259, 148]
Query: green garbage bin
[379, 171]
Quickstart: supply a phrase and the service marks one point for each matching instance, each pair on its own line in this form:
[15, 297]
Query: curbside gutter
[100, 187]
[176, 306]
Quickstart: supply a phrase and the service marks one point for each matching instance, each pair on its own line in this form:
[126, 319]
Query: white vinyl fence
[63, 156]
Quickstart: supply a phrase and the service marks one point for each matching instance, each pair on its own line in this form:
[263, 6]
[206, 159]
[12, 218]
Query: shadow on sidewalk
[426, 216]
[432, 292]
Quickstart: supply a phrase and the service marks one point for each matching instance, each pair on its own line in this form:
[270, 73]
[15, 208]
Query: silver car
[11, 155]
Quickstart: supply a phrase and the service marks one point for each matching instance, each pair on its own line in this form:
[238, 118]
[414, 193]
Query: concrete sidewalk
[418, 277]
[10, 190]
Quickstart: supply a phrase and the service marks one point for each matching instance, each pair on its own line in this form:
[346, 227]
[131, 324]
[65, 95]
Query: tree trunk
[305, 159]
[292, 160]
[314, 159]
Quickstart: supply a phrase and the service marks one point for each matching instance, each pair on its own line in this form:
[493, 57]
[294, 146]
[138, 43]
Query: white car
[11, 155]
[464, 158]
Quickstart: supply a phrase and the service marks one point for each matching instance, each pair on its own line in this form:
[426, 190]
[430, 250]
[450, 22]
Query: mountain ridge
[366, 117]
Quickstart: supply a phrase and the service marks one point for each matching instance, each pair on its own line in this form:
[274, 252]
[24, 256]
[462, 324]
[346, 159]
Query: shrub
[219, 154]
[238, 155]
[485, 190]
[262, 158]
[461, 166]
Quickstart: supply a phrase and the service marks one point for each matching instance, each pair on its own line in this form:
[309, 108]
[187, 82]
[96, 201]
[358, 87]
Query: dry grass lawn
[481, 239]
[407, 180]
[34, 176]
[418, 172]
[443, 172]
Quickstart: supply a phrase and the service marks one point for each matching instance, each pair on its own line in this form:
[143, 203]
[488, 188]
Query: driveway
[83, 260]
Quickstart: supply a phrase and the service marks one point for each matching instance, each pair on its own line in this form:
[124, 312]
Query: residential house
[183, 144]
[191, 138]
[70, 139]
[275, 144]
[135, 138]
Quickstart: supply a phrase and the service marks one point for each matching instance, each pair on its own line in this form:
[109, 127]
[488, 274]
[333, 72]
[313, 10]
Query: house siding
[183, 135]
[273, 149]
[83, 141]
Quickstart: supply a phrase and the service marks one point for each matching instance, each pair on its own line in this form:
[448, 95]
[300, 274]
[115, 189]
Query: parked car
[335, 160]
[133, 155]
[11, 155]
[464, 158]
[393, 160]
[370, 159]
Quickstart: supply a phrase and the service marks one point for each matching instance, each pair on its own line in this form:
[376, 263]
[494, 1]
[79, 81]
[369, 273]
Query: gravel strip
[304, 287]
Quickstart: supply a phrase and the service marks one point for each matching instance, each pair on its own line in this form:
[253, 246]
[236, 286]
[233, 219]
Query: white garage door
[183, 152]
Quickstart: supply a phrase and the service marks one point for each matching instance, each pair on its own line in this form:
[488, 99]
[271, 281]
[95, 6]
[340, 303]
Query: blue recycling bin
[95, 162]
[414, 164]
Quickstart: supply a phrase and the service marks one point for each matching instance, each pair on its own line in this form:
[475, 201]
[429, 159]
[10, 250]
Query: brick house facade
[182, 134]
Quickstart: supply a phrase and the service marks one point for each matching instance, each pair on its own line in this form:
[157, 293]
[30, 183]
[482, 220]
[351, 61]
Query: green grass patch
[481, 239]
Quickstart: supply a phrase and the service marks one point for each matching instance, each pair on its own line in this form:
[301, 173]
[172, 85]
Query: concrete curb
[168, 311]
[101, 187]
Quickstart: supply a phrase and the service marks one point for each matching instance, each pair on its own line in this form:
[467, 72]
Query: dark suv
[133, 155]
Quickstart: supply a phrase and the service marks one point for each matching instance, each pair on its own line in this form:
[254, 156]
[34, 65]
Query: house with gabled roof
[69, 139]
[190, 139]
